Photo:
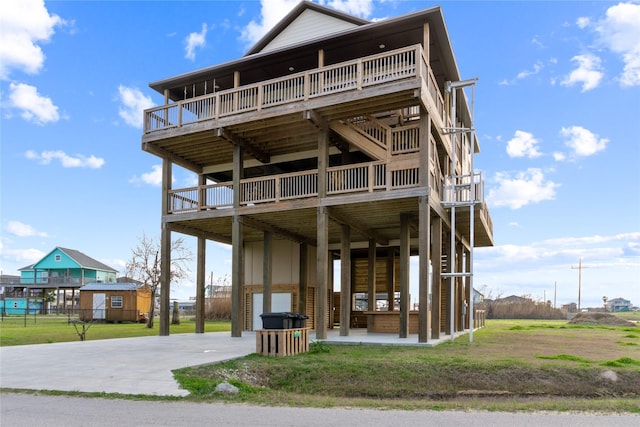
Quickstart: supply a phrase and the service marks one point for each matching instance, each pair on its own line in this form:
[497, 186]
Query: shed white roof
[109, 287]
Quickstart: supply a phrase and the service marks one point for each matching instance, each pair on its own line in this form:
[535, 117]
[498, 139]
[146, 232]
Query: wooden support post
[200, 279]
[267, 267]
[322, 223]
[424, 321]
[371, 282]
[345, 281]
[405, 259]
[323, 159]
[237, 277]
[165, 251]
[436, 280]
[237, 249]
[424, 220]
[322, 267]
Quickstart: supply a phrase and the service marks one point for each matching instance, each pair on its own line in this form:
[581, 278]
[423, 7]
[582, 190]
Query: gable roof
[305, 22]
[84, 261]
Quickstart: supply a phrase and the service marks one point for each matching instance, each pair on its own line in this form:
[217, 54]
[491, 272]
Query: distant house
[478, 297]
[114, 302]
[64, 269]
[618, 304]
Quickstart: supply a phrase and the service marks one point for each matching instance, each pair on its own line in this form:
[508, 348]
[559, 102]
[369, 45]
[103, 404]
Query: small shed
[114, 302]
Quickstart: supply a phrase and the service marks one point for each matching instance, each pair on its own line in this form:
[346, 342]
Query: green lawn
[511, 365]
[54, 328]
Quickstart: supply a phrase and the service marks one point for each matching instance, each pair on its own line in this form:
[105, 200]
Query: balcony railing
[396, 65]
[458, 189]
[359, 178]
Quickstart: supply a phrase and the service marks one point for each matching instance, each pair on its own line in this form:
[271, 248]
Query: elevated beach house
[64, 271]
[332, 140]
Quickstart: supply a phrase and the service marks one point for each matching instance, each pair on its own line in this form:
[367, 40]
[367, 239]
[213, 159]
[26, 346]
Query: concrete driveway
[124, 365]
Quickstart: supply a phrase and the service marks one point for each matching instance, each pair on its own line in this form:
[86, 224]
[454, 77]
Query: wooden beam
[246, 146]
[164, 154]
[184, 229]
[367, 232]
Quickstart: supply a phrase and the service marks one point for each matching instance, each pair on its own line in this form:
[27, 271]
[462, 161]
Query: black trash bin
[277, 320]
[299, 320]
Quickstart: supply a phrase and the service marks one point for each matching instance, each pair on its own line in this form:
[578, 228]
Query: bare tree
[144, 266]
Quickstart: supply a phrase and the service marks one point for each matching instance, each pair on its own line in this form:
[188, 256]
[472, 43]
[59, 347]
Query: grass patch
[622, 362]
[48, 329]
[566, 357]
[503, 369]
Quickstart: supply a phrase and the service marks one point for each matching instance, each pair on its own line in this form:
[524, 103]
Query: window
[116, 301]
[58, 257]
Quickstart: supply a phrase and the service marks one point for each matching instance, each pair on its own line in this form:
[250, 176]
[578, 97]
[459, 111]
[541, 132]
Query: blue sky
[557, 107]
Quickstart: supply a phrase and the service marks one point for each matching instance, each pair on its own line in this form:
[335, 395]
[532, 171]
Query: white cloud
[150, 178]
[361, 8]
[582, 141]
[583, 22]
[26, 256]
[619, 31]
[592, 240]
[193, 41]
[20, 229]
[537, 67]
[558, 156]
[134, 102]
[67, 161]
[33, 106]
[271, 12]
[589, 72]
[521, 189]
[25, 24]
[523, 144]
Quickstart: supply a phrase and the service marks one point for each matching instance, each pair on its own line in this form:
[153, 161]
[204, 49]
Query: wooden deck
[356, 75]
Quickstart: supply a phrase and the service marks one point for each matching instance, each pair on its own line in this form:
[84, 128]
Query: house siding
[309, 25]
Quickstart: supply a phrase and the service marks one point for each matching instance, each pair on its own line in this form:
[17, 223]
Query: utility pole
[555, 291]
[579, 268]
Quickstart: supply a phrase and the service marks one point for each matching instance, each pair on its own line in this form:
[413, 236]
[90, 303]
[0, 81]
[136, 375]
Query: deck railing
[457, 190]
[405, 139]
[358, 178]
[357, 74]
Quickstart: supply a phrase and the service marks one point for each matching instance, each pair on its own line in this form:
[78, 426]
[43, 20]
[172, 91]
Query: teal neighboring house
[64, 269]
[67, 267]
